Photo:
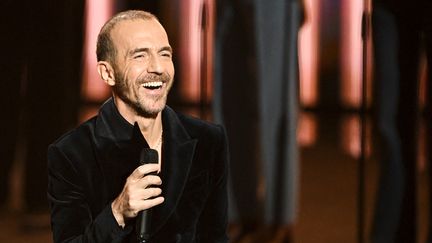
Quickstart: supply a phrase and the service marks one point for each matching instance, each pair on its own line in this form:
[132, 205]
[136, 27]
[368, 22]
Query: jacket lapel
[178, 152]
[118, 145]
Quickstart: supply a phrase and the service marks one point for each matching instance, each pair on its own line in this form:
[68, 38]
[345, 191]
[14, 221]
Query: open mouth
[153, 85]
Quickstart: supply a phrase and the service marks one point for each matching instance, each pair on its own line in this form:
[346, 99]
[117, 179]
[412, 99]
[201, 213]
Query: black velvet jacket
[88, 166]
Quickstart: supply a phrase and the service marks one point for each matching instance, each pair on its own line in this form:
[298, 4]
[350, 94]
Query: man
[97, 186]
[402, 34]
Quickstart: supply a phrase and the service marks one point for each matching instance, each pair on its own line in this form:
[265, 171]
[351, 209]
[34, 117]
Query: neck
[150, 127]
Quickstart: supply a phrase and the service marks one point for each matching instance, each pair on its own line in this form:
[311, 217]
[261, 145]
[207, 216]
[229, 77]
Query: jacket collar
[177, 153]
[113, 126]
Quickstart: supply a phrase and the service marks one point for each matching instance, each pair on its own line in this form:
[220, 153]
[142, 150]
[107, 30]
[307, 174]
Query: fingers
[149, 203]
[131, 209]
[147, 193]
[144, 193]
[143, 170]
[141, 178]
[140, 192]
[152, 192]
[148, 181]
[136, 205]
[143, 188]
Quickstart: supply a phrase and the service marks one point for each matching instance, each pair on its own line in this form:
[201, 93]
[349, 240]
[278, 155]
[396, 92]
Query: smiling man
[97, 185]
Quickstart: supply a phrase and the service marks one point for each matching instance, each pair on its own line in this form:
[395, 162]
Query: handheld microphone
[147, 156]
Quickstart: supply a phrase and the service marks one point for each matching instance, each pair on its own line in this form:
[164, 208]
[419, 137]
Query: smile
[153, 85]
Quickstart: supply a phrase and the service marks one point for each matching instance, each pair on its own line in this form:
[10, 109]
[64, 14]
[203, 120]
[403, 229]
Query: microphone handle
[143, 226]
[144, 217]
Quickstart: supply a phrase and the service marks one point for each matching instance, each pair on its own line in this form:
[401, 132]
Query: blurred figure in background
[257, 83]
[236, 73]
[401, 33]
[386, 93]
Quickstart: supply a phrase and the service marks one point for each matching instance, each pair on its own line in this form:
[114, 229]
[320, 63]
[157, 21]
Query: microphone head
[149, 155]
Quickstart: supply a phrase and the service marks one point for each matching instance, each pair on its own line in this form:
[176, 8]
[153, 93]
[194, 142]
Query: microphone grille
[149, 155]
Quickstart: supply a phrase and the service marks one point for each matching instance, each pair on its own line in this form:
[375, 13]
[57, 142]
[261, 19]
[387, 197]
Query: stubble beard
[144, 106]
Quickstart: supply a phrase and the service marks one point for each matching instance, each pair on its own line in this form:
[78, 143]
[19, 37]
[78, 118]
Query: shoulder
[72, 155]
[77, 139]
[212, 142]
[83, 130]
[212, 146]
[201, 129]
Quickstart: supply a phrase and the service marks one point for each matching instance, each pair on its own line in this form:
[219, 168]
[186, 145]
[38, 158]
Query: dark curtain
[402, 33]
[41, 71]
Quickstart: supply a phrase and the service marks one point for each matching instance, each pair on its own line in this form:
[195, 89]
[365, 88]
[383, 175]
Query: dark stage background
[327, 130]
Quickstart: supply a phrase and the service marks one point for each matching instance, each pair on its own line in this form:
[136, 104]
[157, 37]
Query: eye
[166, 54]
[139, 56]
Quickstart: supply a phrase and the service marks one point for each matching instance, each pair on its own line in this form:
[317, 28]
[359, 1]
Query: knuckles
[147, 168]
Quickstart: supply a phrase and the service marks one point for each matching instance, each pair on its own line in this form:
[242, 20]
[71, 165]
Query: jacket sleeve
[212, 225]
[71, 217]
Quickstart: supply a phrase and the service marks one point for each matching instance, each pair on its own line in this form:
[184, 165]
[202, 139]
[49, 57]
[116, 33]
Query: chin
[152, 111]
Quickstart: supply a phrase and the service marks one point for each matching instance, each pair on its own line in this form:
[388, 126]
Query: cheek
[136, 74]
[171, 72]
[128, 84]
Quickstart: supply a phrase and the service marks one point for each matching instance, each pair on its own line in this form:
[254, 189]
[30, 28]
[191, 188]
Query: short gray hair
[105, 50]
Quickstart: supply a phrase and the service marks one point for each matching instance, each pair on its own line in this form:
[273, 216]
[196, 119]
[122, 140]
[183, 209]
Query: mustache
[164, 77]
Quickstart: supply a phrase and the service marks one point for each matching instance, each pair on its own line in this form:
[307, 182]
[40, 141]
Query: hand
[138, 193]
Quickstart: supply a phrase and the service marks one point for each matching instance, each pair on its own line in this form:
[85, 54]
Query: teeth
[152, 84]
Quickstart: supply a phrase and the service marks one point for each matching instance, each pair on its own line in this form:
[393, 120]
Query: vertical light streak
[351, 52]
[96, 13]
[195, 49]
[189, 50]
[208, 53]
[309, 55]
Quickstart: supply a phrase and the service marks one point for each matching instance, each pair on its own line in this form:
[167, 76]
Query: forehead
[139, 33]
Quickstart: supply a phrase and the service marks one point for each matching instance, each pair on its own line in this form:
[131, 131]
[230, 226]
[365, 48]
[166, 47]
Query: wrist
[117, 215]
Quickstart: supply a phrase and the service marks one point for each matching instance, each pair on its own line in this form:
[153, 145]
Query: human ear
[106, 72]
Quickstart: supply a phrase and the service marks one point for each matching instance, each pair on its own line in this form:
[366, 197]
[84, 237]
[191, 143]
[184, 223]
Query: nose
[155, 65]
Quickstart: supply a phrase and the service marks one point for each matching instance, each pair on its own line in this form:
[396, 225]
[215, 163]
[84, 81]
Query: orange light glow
[351, 51]
[423, 80]
[307, 130]
[423, 139]
[350, 141]
[308, 55]
[196, 52]
[421, 150]
[96, 13]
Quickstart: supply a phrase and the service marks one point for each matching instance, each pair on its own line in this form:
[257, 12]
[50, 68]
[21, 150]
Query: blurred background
[326, 105]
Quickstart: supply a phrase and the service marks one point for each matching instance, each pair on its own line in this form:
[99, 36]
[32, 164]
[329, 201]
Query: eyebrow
[167, 48]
